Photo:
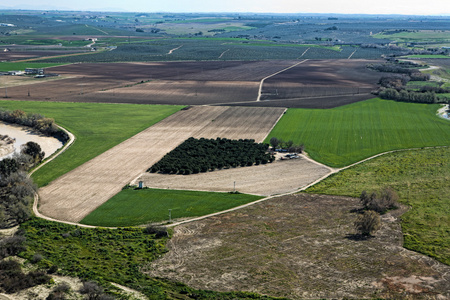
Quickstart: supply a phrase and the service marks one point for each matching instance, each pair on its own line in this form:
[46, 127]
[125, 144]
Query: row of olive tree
[203, 155]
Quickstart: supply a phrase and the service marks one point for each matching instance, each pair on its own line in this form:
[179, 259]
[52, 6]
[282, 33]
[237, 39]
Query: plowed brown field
[311, 84]
[75, 194]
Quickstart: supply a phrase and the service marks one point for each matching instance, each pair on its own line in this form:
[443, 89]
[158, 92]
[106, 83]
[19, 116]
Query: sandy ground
[23, 135]
[6, 145]
[302, 247]
[75, 194]
[274, 178]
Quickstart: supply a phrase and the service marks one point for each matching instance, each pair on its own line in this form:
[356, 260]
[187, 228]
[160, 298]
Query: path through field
[75, 194]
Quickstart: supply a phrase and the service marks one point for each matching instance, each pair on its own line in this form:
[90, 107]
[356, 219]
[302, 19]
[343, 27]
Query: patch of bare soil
[274, 178]
[300, 246]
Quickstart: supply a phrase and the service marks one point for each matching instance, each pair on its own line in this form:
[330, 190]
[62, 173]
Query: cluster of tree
[393, 86]
[399, 81]
[374, 204]
[38, 122]
[288, 146]
[411, 96]
[12, 278]
[403, 67]
[203, 155]
[16, 188]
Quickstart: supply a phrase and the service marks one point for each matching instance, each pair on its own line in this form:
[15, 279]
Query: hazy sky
[417, 7]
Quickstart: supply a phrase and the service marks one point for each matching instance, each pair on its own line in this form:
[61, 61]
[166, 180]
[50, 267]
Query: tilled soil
[270, 179]
[300, 246]
[75, 194]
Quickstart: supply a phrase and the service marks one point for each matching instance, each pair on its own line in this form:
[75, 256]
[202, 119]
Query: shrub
[158, 231]
[12, 279]
[11, 246]
[380, 202]
[368, 223]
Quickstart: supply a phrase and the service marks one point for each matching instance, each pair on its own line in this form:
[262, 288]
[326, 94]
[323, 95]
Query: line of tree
[412, 96]
[408, 68]
[38, 122]
[16, 187]
[203, 155]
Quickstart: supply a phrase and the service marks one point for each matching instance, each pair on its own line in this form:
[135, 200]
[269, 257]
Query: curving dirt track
[75, 194]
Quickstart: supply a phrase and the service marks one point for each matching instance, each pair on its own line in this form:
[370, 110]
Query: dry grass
[300, 246]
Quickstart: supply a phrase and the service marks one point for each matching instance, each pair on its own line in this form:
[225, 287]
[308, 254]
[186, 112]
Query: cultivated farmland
[321, 78]
[311, 84]
[347, 134]
[274, 178]
[74, 195]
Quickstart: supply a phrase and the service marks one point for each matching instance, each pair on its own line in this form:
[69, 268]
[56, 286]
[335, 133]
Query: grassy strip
[347, 134]
[421, 179]
[97, 127]
[20, 66]
[107, 255]
[428, 56]
[134, 207]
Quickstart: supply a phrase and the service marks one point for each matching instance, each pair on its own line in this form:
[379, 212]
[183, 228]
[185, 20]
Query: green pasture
[97, 128]
[344, 135]
[43, 40]
[415, 36]
[21, 66]
[428, 56]
[420, 178]
[134, 207]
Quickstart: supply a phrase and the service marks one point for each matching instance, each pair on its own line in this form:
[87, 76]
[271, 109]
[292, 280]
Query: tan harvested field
[75, 194]
[302, 247]
[278, 177]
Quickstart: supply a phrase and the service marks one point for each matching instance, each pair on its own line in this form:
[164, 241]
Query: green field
[135, 207]
[97, 127]
[21, 66]
[416, 35]
[421, 178]
[344, 135]
[428, 56]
